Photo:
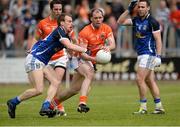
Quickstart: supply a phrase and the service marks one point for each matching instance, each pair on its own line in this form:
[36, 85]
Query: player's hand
[106, 48]
[28, 51]
[157, 61]
[132, 5]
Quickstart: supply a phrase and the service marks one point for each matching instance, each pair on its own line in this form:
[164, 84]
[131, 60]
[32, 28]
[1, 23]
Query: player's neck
[95, 27]
[145, 16]
[64, 29]
[51, 17]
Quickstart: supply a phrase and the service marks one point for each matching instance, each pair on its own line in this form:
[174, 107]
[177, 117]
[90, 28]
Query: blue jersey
[44, 49]
[143, 29]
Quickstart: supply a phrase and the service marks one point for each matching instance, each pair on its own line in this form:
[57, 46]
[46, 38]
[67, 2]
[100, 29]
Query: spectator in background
[117, 8]
[178, 4]
[7, 29]
[32, 6]
[46, 10]
[175, 20]
[68, 9]
[113, 24]
[162, 16]
[82, 11]
[162, 13]
[17, 9]
[108, 12]
[4, 5]
[27, 22]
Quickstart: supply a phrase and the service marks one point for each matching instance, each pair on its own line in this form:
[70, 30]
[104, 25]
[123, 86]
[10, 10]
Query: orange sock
[60, 107]
[82, 99]
[58, 104]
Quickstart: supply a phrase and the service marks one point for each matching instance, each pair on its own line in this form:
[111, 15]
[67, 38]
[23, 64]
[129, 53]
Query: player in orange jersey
[44, 28]
[92, 37]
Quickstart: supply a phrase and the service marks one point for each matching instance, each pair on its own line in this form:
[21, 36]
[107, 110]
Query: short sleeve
[108, 31]
[83, 36]
[154, 24]
[39, 29]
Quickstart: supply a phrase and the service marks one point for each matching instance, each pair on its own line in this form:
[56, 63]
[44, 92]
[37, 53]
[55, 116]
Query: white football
[103, 56]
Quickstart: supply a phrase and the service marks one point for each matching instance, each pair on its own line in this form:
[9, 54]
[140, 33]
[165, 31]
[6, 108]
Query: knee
[89, 75]
[139, 79]
[56, 83]
[148, 81]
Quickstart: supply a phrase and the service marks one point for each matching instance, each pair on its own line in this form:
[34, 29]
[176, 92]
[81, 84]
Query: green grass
[111, 104]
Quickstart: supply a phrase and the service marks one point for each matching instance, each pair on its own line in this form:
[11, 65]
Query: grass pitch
[111, 104]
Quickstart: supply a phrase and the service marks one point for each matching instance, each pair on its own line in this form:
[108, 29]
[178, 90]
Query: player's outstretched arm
[73, 47]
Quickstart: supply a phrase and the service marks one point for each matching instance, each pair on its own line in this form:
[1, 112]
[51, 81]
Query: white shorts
[60, 62]
[74, 63]
[32, 63]
[146, 61]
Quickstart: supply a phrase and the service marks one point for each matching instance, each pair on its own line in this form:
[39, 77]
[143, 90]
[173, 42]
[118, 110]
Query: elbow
[120, 21]
[113, 46]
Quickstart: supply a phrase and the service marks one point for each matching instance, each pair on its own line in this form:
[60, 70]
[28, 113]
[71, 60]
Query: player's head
[56, 8]
[65, 20]
[143, 7]
[96, 17]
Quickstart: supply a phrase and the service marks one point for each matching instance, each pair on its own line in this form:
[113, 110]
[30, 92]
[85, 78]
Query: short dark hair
[147, 1]
[62, 18]
[55, 2]
[96, 9]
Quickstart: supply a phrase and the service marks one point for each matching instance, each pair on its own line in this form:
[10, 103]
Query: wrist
[85, 51]
[159, 56]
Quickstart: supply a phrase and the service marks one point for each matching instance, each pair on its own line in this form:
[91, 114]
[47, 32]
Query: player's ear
[62, 23]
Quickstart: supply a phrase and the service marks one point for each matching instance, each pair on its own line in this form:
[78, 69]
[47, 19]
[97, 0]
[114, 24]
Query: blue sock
[46, 104]
[157, 100]
[16, 100]
[143, 100]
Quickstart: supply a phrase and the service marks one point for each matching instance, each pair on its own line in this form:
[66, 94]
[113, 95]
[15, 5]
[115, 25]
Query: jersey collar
[94, 27]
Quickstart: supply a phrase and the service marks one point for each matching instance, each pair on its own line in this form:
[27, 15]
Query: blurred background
[18, 19]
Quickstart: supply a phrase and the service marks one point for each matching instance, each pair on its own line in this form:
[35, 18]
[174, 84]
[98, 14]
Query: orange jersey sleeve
[44, 28]
[94, 38]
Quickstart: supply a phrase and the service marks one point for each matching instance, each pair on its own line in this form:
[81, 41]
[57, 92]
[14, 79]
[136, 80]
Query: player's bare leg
[141, 76]
[155, 93]
[54, 83]
[60, 111]
[36, 79]
[87, 71]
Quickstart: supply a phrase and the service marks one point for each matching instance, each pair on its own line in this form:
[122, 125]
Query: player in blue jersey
[36, 61]
[148, 46]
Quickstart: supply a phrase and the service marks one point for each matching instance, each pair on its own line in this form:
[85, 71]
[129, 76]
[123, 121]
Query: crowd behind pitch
[18, 19]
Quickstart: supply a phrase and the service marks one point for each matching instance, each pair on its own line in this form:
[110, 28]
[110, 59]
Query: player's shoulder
[43, 21]
[153, 21]
[105, 26]
[85, 30]
[87, 27]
